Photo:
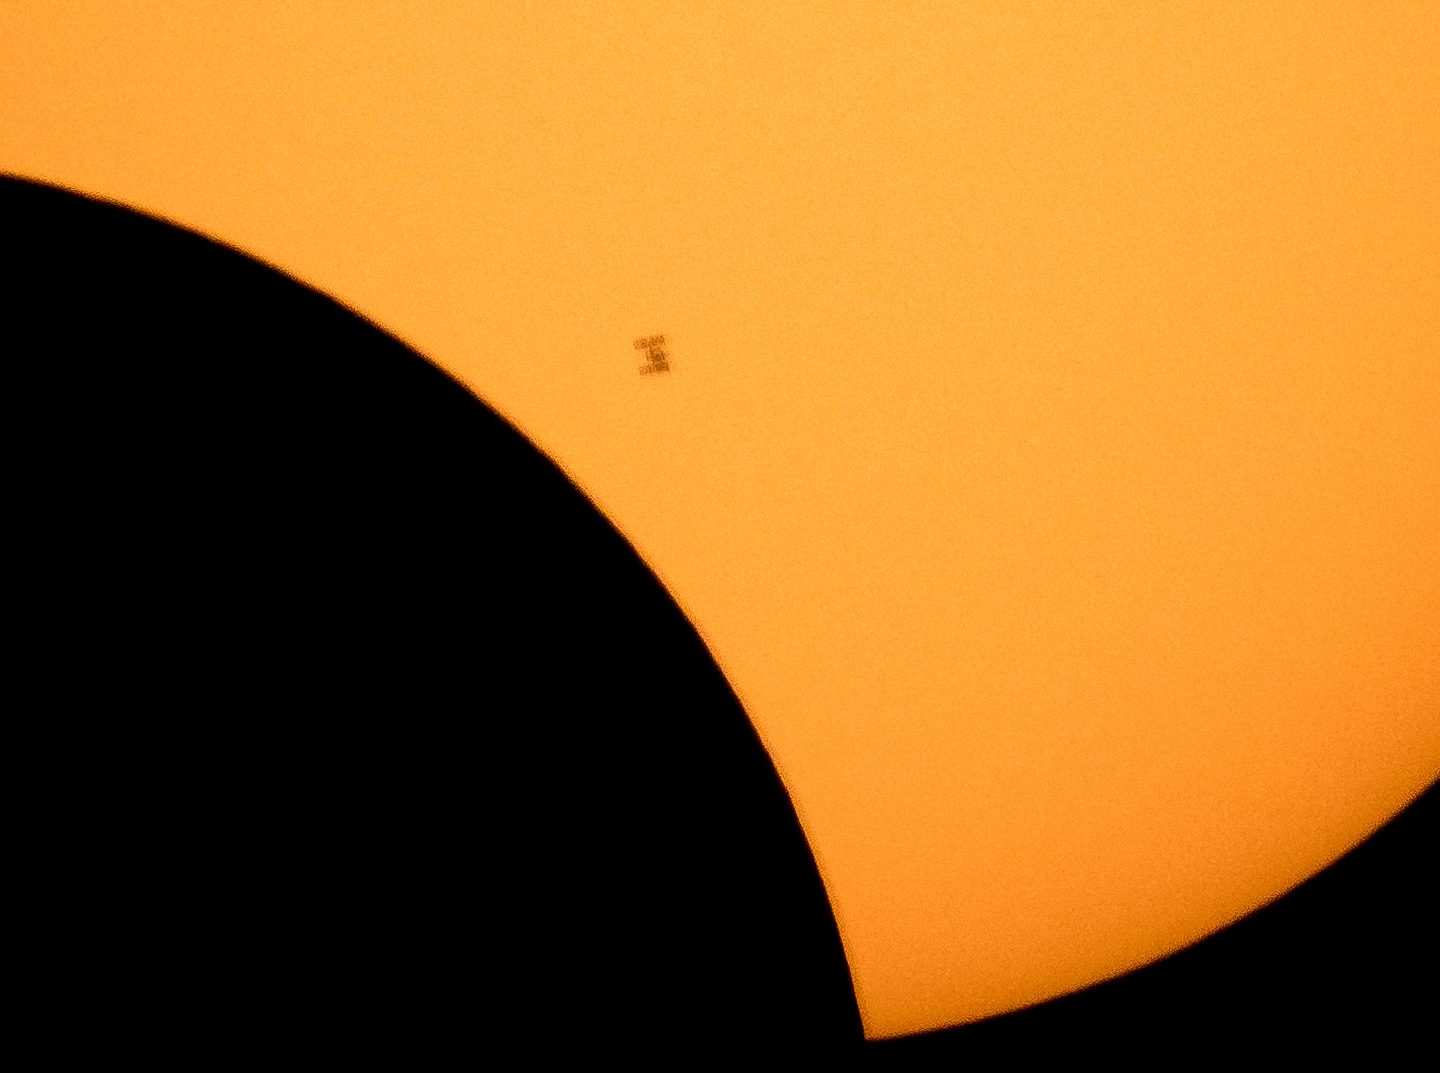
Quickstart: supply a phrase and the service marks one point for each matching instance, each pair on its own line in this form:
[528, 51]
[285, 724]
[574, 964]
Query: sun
[1033, 406]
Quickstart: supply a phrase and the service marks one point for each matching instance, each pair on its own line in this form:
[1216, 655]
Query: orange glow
[1049, 448]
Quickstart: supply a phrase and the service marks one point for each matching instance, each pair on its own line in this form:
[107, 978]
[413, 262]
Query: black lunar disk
[391, 742]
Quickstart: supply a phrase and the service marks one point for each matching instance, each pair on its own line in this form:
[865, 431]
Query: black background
[365, 735]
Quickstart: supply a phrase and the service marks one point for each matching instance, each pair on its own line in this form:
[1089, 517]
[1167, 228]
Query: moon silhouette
[398, 745]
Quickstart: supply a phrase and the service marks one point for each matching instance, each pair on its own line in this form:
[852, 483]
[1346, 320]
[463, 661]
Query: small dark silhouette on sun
[657, 360]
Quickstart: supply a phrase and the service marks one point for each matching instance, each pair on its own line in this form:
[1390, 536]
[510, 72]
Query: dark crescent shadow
[363, 733]
[378, 737]
[1339, 970]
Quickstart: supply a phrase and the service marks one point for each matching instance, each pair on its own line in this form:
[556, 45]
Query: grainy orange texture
[1050, 450]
